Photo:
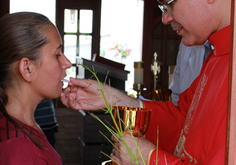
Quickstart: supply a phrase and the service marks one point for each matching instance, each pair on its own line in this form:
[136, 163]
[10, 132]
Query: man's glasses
[164, 8]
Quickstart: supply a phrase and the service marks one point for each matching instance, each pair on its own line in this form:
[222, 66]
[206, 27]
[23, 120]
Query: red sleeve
[19, 151]
[170, 121]
[165, 158]
[169, 118]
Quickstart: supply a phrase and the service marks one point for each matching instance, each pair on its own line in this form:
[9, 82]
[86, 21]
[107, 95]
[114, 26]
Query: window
[122, 28]
[77, 38]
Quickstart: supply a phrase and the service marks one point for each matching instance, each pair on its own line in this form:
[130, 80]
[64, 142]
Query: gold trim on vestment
[149, 155]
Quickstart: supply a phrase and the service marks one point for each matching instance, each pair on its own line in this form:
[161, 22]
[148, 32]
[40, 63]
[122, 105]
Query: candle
[138, 72]
[138, 75]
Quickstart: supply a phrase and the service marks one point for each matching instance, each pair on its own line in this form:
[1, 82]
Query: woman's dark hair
[21, 35]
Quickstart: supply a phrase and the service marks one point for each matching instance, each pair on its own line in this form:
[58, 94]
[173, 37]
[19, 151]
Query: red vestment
[195, 131]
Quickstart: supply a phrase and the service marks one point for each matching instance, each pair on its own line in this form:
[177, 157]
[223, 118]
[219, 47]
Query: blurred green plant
[116, 131]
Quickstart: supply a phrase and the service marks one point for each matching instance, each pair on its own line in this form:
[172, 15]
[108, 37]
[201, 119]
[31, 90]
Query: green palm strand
[119, 133]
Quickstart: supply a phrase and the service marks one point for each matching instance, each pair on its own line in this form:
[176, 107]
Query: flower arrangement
[115, 51]
[120, 50]
[115, 129]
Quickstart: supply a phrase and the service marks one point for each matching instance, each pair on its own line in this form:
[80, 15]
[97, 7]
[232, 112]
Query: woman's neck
[22, 108]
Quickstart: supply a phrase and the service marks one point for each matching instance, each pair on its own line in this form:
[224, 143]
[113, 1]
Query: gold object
[138, 65]
[159, 94]
[138, 87]
[108, 162]
[132, 120]
[135, 121]
[171, 69]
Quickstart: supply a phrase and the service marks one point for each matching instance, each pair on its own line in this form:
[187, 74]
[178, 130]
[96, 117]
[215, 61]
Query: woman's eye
[58, 55]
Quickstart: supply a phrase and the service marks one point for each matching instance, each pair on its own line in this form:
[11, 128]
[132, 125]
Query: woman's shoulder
[18, 151]
[8, 131]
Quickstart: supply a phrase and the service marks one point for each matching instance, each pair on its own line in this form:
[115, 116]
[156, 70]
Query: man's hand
[123, 157]
[84, 94]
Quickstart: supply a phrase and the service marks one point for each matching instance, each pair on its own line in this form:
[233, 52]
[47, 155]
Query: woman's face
[52, 67]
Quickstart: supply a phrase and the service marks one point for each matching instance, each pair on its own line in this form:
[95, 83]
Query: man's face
[189, 19]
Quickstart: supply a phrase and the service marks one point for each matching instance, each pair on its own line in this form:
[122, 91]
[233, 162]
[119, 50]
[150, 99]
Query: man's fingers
[115, 152]
[66, 91]
[73, 103]
[64, 100]
[115, 138]
[113, 157]
[79, 82]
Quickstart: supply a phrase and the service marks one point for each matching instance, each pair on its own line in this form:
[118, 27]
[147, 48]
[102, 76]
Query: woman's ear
[26, 68]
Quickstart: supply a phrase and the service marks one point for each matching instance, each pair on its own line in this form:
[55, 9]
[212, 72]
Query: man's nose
[167, 18]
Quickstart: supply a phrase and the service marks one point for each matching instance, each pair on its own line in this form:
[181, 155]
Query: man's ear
[26, 68]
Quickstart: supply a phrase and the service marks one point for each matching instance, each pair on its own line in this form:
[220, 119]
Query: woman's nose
[66, 63]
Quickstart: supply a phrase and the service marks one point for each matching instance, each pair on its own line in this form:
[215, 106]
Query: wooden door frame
[230, 149]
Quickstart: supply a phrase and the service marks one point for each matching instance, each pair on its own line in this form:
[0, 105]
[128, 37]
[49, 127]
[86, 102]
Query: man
[195, 131]
[188, 66]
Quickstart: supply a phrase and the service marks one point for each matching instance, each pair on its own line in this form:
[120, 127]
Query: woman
[31, 68]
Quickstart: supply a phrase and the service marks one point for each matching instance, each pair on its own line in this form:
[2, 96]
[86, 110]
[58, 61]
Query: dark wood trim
[4, 7]
[147, 43]
[96, 28]
[230, 150]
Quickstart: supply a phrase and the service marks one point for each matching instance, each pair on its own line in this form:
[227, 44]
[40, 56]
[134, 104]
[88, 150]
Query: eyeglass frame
[163, 6]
